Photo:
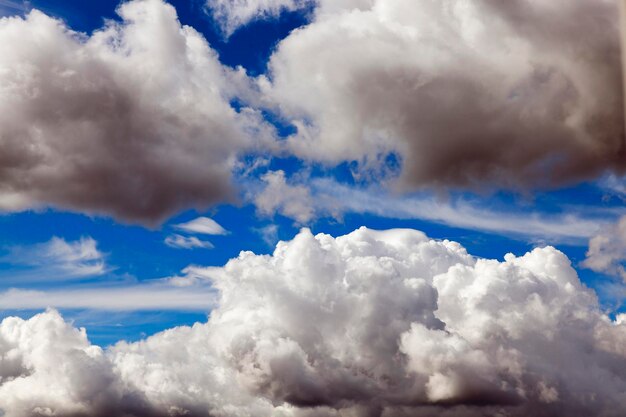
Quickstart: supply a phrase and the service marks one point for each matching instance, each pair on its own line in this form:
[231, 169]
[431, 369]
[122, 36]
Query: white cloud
[304, 201]
[202, 225]
[57, 259]
[133, 121]
[373, 323]
[232, 14]
[290, 200]
[187, 242]
[570, 226]
[136, 297]
[468, 94]
[607, 250]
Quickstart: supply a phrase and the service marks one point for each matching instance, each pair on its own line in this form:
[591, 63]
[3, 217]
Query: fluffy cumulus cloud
[374, 323]
[466, 93]
[133, 121]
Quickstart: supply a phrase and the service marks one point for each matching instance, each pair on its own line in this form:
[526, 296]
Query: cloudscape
[312, 208]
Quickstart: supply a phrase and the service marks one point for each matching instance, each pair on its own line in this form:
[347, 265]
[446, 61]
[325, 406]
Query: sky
[342, 208]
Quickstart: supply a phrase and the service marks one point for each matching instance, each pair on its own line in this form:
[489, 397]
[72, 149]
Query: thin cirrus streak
[144, 297]
[324, 197]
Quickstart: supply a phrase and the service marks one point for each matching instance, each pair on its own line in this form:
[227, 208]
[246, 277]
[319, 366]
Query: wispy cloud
[202, 225]
[278, 196]
[187, 242]
[607, 250]
[9, 7]
[337, 199]
[268, 233]
[128, 298]
[326, 197]
[56, 260]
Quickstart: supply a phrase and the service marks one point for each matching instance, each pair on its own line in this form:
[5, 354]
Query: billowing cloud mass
[374, 323]
[467, 93]
[133, 121]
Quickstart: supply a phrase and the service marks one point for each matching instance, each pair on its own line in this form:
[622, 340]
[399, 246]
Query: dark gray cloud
[374, 323]
[478, 93]
[133, 121]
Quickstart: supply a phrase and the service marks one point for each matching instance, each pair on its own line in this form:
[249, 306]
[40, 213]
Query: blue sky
[133, 254]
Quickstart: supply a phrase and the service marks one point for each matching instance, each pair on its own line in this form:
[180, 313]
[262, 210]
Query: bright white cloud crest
[373, 323]
[202, 225]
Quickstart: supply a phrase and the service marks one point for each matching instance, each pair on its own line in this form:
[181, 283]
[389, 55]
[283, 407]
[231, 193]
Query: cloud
[56, 259]
[305, 201]
[479, 94]
[571, 226]
[136, 297]
[613, 186]
[133, 121]
[231, 15]
[277, 196]
[187, 242]
[202, 225]
[372, 323]
[10, 7]
[268, 233]
[607, 250]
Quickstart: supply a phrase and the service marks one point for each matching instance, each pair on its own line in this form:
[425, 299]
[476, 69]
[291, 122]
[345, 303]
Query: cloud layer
[476, 93]
[133, 121]
[372, 323]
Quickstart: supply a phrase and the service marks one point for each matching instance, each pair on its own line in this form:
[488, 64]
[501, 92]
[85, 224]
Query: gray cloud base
[133, 121]
[368, 324]
[477, 93]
